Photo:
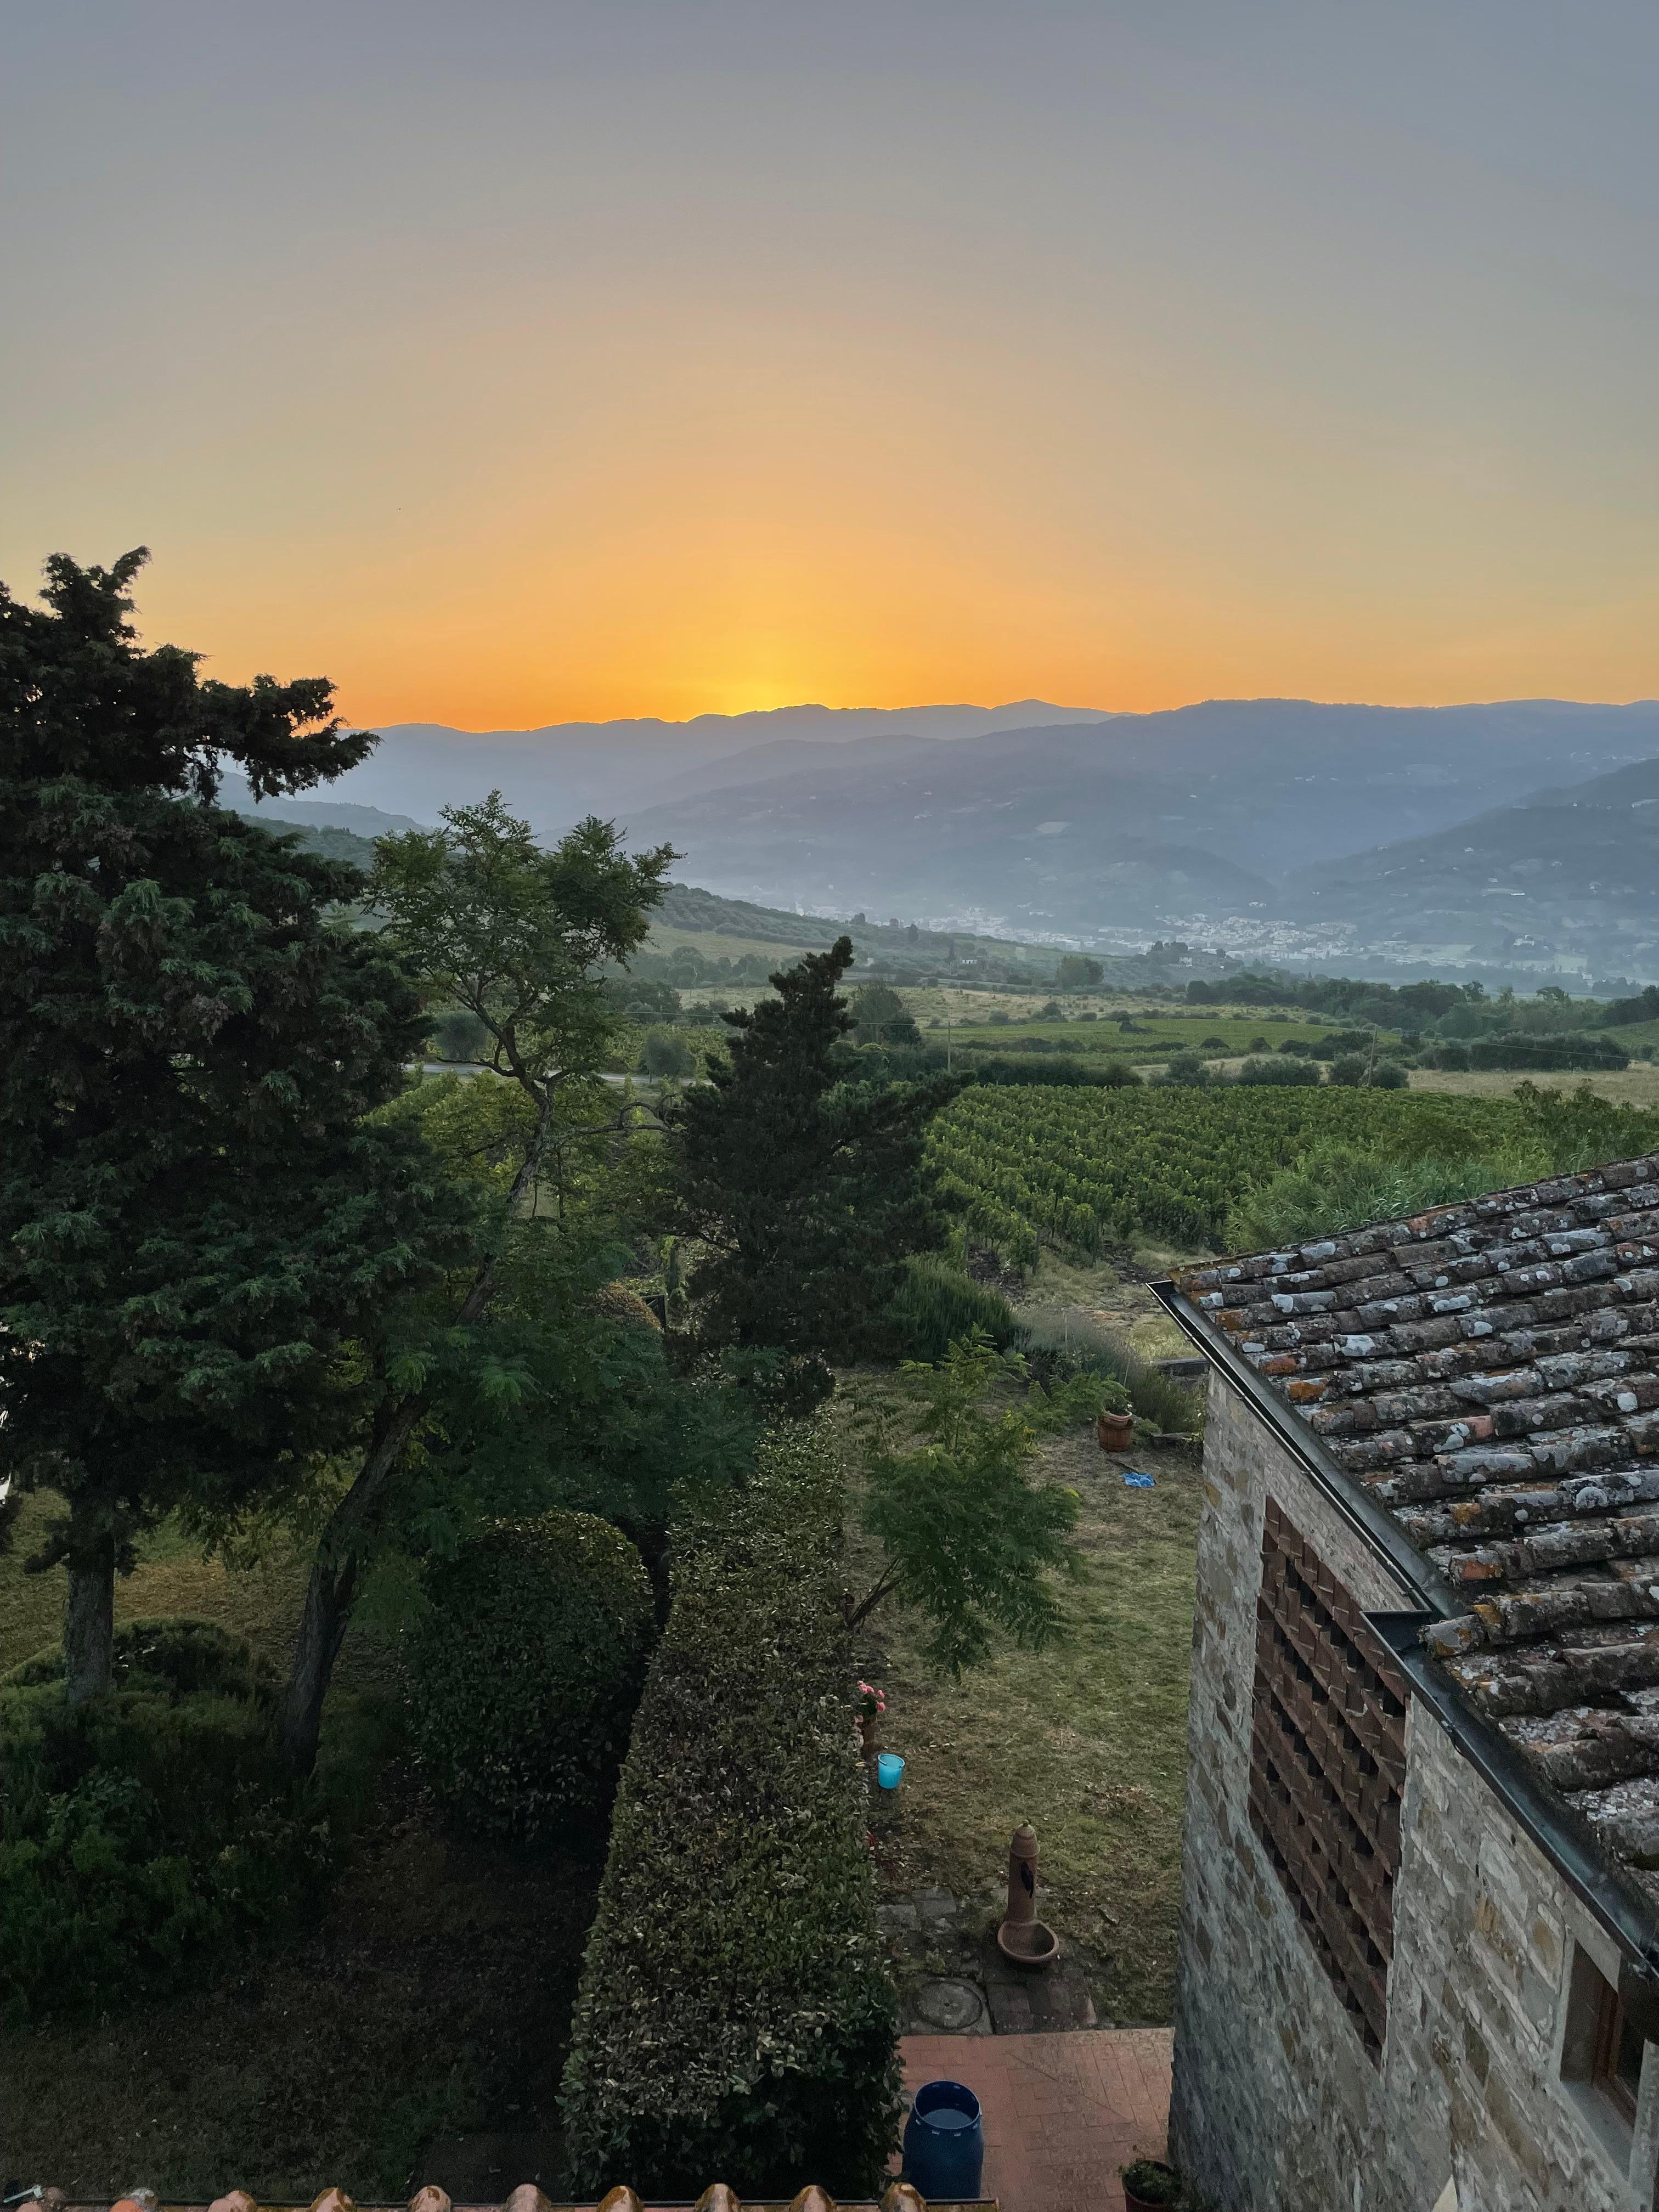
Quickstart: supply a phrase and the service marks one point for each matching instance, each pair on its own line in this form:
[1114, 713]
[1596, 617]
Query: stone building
[1419, 1941]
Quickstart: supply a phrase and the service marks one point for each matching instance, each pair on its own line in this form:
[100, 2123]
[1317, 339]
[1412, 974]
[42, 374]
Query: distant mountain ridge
[1143, 821]
[1180, 822]
[556, 774]
[1567, 873]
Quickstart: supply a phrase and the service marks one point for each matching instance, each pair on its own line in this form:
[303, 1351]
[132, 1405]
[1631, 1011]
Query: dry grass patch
[1086, 1741]
[1636, 1085]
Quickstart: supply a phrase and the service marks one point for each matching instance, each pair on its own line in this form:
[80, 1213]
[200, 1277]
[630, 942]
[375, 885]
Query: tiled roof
[900, 2196]
[1490, 1373]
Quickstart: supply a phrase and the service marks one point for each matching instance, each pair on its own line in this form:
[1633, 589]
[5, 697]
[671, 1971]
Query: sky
[512, 361]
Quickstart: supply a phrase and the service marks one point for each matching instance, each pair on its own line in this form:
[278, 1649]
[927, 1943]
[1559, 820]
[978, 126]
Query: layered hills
[1365, 828]
[1567, 875]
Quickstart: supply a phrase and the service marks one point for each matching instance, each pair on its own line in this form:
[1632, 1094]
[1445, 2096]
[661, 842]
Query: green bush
[1335, 1186]
[146, 1835]
[1060, 1346]
[937, 1303]
[735, 2016]
[1541, 1053]
[524, 1672]
[1278, 1071]
[1388, 1075]
[1449, 1054]
[1105, 1074]
[459, 1035]
[664, 1054]
[1187, 1068]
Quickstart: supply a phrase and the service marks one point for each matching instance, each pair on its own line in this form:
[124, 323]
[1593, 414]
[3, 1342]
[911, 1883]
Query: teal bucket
[888, 1767]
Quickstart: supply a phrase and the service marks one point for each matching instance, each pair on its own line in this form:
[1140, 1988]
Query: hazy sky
[516, 360]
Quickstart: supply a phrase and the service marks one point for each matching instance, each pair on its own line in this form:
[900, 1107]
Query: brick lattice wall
[1328, 1766]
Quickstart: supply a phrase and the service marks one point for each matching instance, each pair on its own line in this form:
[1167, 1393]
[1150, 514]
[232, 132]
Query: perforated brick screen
[1328, 1764]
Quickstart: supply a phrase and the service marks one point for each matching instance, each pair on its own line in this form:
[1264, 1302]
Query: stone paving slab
[1062, 2112]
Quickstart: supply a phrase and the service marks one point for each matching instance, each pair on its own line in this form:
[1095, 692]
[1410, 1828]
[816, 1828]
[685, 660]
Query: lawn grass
[1086, 1741]
[172, 1577]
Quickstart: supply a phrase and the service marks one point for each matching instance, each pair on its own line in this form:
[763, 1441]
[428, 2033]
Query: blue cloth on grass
[1138, 1482]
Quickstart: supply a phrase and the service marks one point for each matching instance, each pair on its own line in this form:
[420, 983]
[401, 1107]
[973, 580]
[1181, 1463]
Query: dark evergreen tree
[805, 1187]
[194, 1218]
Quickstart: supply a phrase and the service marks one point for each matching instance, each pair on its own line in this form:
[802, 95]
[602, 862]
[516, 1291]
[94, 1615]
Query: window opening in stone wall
[1616, 2068]
[1328, 1766]
[1601, 2056]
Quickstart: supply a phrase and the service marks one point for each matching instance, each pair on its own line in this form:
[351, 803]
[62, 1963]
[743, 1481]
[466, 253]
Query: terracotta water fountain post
[1023, 1938]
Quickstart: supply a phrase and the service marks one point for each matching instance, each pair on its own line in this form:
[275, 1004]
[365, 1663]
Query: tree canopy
[519, 938]
[804, 1186]
[194, 1218]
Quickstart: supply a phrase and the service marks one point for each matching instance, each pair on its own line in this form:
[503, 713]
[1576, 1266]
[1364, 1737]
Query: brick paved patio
[1062, 2112]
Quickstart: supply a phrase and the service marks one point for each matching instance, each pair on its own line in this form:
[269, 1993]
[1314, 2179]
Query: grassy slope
[1087, 1741]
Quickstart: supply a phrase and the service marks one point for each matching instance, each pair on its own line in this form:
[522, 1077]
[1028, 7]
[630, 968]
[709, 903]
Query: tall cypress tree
[194, 1220]
[805, 1187]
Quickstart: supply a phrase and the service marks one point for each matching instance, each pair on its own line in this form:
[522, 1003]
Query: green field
[1154, 1036]
[1078, 1167]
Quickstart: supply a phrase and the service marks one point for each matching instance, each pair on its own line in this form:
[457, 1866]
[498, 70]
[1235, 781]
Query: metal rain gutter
[1568, 1843]
[1422, 1580]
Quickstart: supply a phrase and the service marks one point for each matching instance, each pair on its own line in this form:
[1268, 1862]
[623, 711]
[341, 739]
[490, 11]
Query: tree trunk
[333, 1585]
[322, 1630]
[89, 1621]
[334, 1573]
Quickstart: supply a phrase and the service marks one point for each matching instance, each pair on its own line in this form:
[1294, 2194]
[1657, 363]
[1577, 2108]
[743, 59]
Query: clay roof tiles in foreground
[1489, 1372]
[900, 2196]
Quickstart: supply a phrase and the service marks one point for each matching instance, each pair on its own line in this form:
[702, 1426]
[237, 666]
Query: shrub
[1278, 1071]
[1154, 2183]
[1107, 1075]
[1514, 1050]
[1334, 1187]
[937, 1304]
[459, 1035]
[1348, 1069]
[735, 2016]
[1187, 1068]
[664, 1054]
[1451, 1054]
[1058, 1346]
[1388, 1075]
[146, 1835]
[525, 1671]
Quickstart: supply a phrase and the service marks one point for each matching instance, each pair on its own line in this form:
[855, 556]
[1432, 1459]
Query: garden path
[1062, 2113]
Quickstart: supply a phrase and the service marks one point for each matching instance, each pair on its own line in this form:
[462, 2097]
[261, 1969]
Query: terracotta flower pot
[1134, 2202]
[1116, 1431]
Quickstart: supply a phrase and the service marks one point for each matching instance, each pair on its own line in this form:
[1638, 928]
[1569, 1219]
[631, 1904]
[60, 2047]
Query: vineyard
[1077, 1168]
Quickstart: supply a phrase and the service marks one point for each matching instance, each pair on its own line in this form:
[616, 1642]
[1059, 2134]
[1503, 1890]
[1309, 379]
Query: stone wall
[1277, 2106]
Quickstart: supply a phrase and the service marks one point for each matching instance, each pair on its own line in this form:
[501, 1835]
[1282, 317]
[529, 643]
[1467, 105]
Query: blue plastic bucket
[944, 2143]
[888, 1767]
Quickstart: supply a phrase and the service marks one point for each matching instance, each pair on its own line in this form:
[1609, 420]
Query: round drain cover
[951, 2007]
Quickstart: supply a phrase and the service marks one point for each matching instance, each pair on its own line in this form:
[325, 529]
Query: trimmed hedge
[735, 2017]
[525, 1672]
[146, 1835]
